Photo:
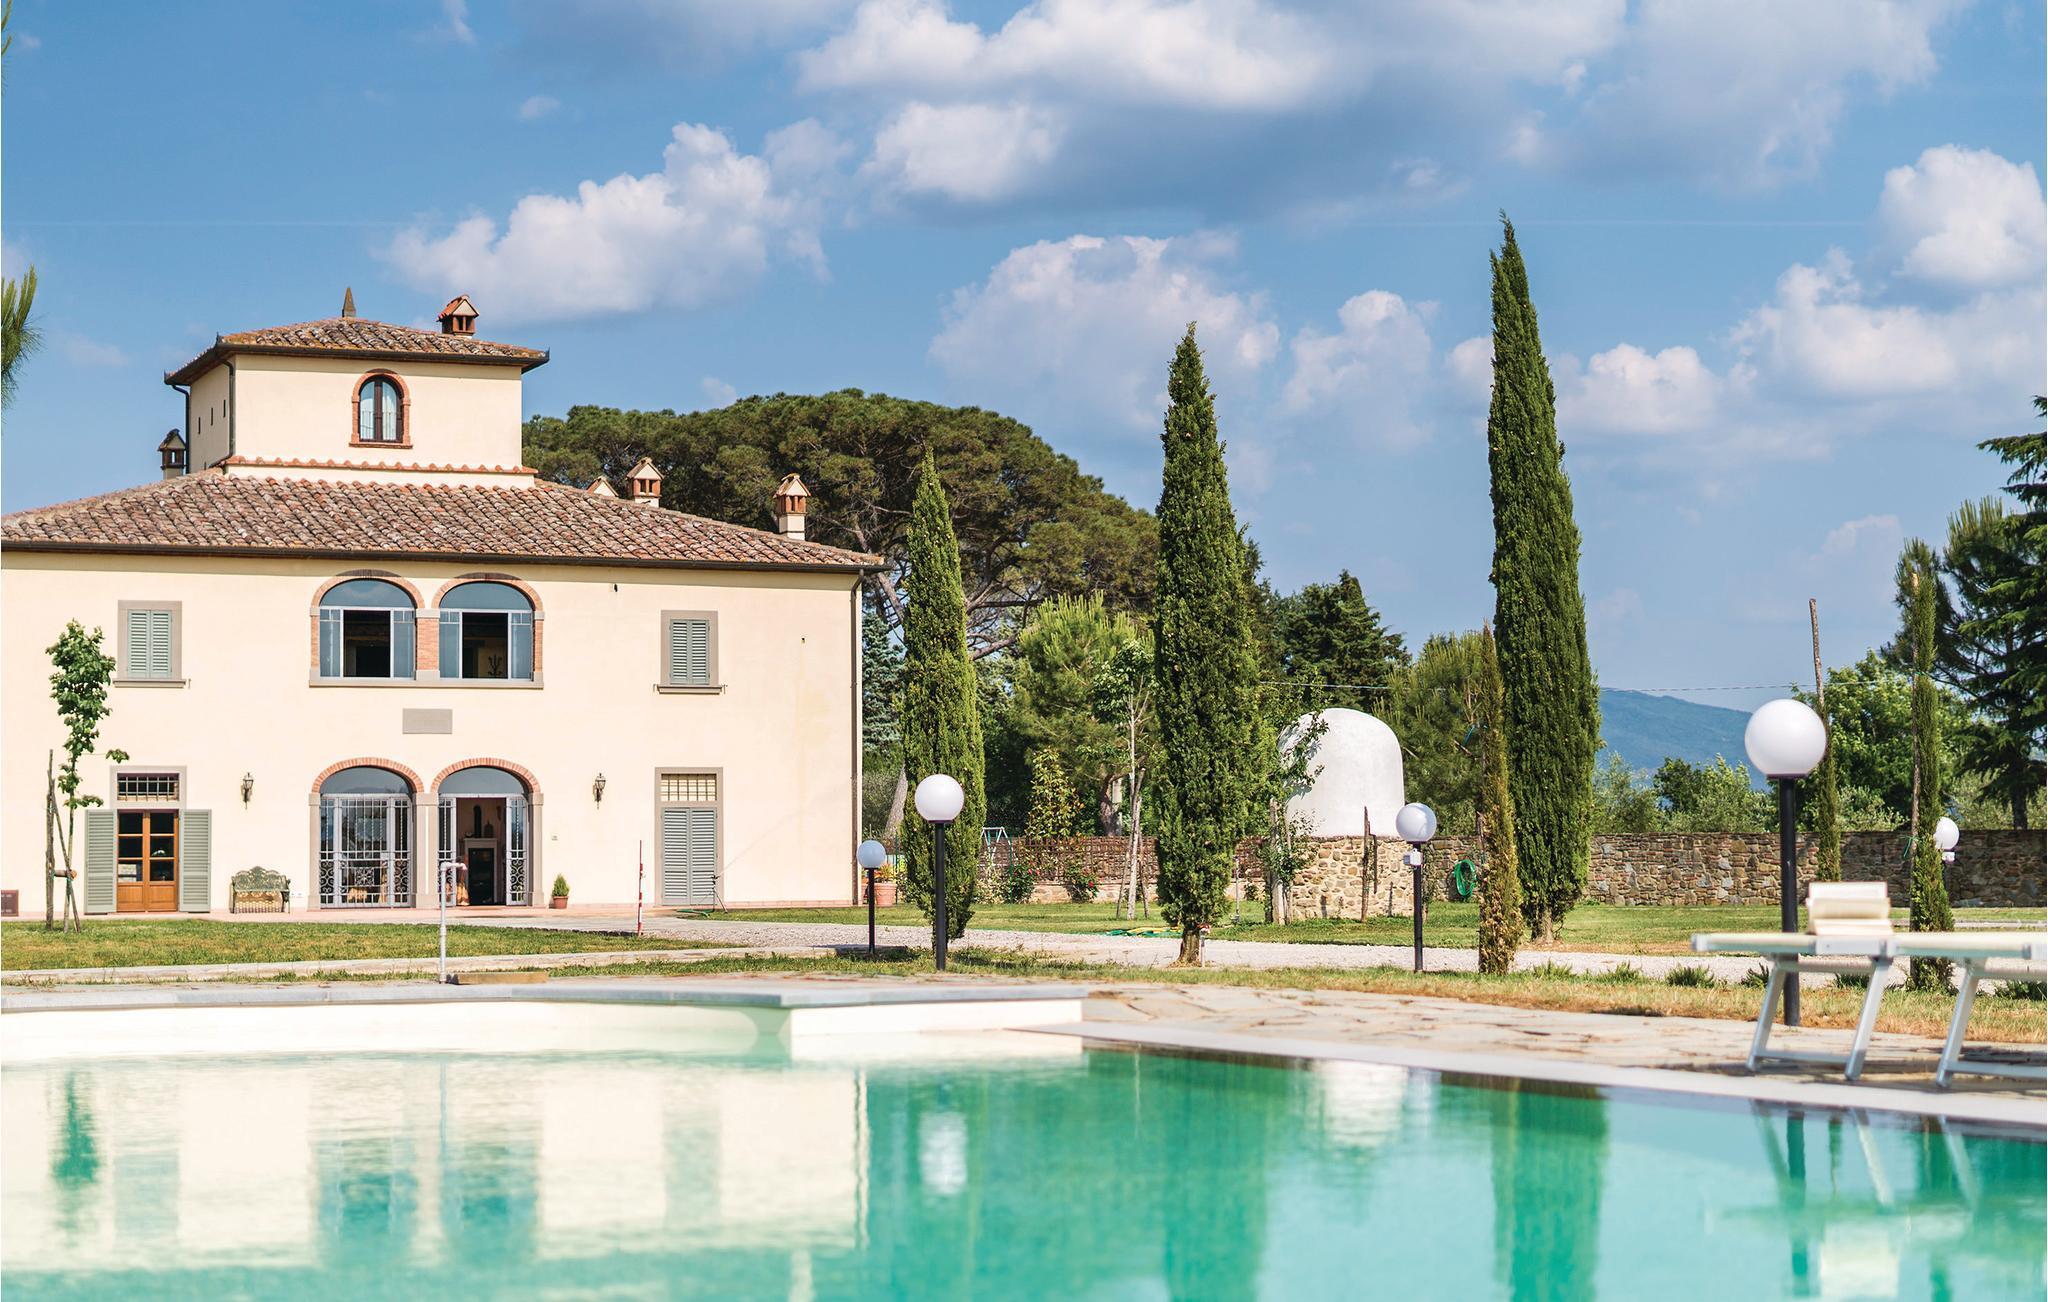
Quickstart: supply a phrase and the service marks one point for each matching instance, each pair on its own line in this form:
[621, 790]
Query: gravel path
[1139, 951]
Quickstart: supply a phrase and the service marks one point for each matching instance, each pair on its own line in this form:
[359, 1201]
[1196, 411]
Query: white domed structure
[1360, 762]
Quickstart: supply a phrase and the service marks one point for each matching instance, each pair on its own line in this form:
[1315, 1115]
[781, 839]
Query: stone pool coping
[727, 994]
[2028, 1114]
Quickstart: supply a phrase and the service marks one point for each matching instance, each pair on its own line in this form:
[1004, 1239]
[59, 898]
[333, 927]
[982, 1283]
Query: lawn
[1594, 928]
[26, 945]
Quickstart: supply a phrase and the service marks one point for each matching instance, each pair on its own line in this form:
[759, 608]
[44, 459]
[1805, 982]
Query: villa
[355, 637]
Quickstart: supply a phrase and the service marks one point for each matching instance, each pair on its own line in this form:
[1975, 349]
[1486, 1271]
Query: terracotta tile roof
[212, 512]
[349, 336]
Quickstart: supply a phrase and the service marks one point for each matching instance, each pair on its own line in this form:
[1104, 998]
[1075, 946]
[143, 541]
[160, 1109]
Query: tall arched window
[487, 632]
[380, 411]
[366, 630]
[366, 839]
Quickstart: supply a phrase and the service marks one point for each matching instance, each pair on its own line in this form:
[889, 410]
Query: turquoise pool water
[1032, 1170]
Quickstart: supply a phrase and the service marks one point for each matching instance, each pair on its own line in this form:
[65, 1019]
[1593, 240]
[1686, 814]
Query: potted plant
[559, 897]
[885, 886]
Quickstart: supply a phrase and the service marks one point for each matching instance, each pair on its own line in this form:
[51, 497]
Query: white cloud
[1208, 54]
[1964, 219]
[82, 351]
[970, 152]
[536, 107]
[1089, 324]
[1370, 374]
[1738, 93]
[702, 228]
[455, 21]
[1630, 390]
[1471, 365]
[717, 392]
[1620, 606]
[1851, 535]
[1819, 335]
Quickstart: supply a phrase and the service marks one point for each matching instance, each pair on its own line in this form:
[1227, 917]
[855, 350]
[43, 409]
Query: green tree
[1205, 664]
[1553, 721]
[1054, 668]
[1870, 726]
[1030, 525]
[1918, 580]
[1434, 711]
[1123, 698]
[941, 706]
[1991, 652]
[79, 687]
[1327, 634]
[1715, 797]
[2020, 593]
[1621, 801]
[1500, 884]
[1054, 819]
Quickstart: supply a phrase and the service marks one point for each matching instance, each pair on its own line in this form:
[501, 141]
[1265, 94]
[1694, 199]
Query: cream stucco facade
[250, 722]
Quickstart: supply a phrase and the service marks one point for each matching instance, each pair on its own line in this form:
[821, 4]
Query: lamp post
[1785, 740]
[871, 856]
[938, 801]
[1946, 834]
[1416, 824]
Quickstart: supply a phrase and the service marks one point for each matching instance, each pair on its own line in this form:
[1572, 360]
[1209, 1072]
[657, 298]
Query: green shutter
[149, 644]
[195, 861]
[689, 856]
[689, 652]
[99, 860]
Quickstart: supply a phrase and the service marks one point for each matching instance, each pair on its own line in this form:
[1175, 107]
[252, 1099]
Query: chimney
[459, 316]
[348, 303]
[602, 487]
[643, 483]
[172, 452]
[791, 498]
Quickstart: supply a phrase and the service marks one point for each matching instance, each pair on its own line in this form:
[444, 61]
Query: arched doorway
[486, 834]
[366, 839]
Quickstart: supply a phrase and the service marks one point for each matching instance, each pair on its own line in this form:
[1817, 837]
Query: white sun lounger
[1973, 952]
[1791, 954]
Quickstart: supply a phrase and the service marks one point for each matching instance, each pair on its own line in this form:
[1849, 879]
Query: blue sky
[1787, 258]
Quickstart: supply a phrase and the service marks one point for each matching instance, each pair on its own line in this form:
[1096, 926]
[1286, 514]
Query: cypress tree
[1500, 885]
[1930, 909]
[1550, 706]
[941, 704]
[1205, 664]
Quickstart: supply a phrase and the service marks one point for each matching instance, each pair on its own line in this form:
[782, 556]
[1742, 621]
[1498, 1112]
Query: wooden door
[146, 861]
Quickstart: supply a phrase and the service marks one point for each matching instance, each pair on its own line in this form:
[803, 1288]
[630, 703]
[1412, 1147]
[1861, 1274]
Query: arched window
[366, 630]
[365, 839]
[487, 632]
[380, 411]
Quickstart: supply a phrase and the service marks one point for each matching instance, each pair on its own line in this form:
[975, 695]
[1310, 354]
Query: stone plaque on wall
[428, 721]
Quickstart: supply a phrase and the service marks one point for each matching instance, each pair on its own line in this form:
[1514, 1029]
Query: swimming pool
[984, 1164]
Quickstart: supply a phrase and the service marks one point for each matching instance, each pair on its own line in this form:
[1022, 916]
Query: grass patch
[26, 946]
[1694, 975]
[1624, 974]
[1589, 928]
[2031, 991]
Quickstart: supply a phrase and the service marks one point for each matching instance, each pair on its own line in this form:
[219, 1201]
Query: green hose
[1463, 874]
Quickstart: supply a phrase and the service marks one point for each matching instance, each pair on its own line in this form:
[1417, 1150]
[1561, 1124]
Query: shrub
[1624, 974]
[2034, 990]
[1852, 981]
[1693, 974]
[1014, 879]
[561, 890]
[1552, 972]
[1757, 977]
[1080, 880]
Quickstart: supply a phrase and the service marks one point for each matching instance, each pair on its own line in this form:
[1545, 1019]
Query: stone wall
[1992, 869]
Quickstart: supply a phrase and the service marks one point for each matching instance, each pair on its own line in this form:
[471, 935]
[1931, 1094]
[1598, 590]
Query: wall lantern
[597, 789]
[248, 788]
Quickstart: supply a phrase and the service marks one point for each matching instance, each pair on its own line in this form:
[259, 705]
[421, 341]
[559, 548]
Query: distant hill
[1645, 729]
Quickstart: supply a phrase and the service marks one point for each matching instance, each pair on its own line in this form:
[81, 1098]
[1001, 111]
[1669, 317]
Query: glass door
[146, 861]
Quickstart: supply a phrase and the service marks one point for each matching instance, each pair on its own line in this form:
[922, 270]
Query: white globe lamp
[1946, 834]
[939, 799]
[1785, 740]
[938, 802]
[871, 855]
[1415, 824]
